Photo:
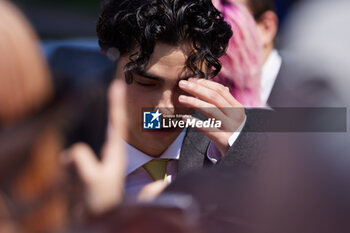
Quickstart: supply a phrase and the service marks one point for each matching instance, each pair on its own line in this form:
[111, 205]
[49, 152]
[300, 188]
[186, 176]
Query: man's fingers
[213, 85]
[218, 88]
[235, 109]
[216, 96]
[231, 119]
[209, 110]
[204, 93]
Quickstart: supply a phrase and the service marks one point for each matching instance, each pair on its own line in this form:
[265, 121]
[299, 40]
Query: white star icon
[156, 115]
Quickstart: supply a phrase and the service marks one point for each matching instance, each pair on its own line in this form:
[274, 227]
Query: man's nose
[166, 102]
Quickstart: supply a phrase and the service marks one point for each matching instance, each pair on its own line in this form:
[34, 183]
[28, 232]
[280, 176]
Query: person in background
[30, 174]
[242, 63]
[267, 23]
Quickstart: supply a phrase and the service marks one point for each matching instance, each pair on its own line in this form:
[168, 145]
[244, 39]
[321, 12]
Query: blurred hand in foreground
[104, 179]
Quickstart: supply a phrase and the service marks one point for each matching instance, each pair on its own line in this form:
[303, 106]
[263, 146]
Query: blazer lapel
[284, 91]
[277, 88]
[193, 151]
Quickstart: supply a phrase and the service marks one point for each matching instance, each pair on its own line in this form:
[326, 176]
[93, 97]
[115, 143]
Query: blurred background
[58, 19]
[62, 19]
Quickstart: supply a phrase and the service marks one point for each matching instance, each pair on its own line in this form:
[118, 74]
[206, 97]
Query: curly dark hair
[135, 26]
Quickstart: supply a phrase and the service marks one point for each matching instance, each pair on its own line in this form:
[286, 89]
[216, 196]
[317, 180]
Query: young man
[167, 49]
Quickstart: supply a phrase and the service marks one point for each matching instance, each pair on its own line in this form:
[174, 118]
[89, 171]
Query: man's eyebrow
[150, 76]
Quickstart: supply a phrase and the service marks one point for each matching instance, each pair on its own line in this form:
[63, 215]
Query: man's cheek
[132, 94]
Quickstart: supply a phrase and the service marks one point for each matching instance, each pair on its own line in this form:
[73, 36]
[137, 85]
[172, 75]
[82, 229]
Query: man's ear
[268, 27]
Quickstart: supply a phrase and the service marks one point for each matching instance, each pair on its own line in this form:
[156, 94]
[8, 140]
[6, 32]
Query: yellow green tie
[157, 168]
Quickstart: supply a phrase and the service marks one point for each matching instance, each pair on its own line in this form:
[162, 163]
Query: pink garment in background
[242, 64]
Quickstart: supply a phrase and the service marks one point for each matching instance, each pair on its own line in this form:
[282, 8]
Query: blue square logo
[151, 120]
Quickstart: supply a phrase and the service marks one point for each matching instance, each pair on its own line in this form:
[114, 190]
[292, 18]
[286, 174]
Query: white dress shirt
[137, 177]
[269, 75]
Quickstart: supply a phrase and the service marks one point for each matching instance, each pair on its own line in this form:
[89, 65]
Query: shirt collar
[137, 158]
[270, 71]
